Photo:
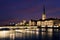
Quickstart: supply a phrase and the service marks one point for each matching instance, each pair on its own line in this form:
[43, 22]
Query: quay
[27, 27]
[19, 27]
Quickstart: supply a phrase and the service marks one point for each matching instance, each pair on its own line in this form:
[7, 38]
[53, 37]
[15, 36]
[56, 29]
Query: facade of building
[43, 22]
[22, 23]
[32, 23]
[50, 22]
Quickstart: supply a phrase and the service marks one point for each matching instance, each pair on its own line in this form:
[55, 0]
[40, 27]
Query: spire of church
[43, 15]
[43, 9]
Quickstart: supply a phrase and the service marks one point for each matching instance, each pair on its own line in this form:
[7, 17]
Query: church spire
[43, 9]
[43, 15]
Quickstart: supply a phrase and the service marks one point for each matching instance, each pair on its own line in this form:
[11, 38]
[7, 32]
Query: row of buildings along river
[50, 22]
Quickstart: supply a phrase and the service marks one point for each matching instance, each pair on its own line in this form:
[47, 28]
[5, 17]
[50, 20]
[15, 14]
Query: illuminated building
[50, 22]
[21, 23]
[32, 23]
[43, 22]
[43, 15]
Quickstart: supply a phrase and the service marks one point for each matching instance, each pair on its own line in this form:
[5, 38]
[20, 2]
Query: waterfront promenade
[19, 27]
[27, 27]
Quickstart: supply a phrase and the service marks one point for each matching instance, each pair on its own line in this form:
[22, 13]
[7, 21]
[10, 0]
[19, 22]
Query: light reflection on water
[42, 34]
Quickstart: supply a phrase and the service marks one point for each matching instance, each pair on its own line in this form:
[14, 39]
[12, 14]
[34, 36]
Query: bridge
[26, 27]
[18, 27]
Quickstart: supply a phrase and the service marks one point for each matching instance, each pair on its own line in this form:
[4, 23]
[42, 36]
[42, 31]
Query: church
[43, 22]
[50, 22]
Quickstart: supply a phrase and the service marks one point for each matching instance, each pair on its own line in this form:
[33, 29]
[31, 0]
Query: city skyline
[16, 11]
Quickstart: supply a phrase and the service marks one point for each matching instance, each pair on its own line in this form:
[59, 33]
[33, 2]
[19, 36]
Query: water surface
[41, 34]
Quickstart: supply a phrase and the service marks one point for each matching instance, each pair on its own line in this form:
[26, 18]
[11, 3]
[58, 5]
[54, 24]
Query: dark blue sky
[15, 10]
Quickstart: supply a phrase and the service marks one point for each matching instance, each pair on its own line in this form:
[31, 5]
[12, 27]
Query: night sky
[17, 10]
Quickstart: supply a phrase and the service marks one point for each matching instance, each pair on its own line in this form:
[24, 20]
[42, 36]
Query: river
[41, 34]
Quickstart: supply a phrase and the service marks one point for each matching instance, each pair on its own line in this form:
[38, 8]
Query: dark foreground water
[42, 34]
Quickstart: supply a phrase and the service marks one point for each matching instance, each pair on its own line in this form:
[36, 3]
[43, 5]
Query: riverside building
[43, 22]
[50, 22]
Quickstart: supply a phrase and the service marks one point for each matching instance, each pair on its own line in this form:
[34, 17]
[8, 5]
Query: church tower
[43, 14]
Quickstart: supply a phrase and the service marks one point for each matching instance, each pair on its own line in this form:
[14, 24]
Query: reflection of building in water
[42, 22]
